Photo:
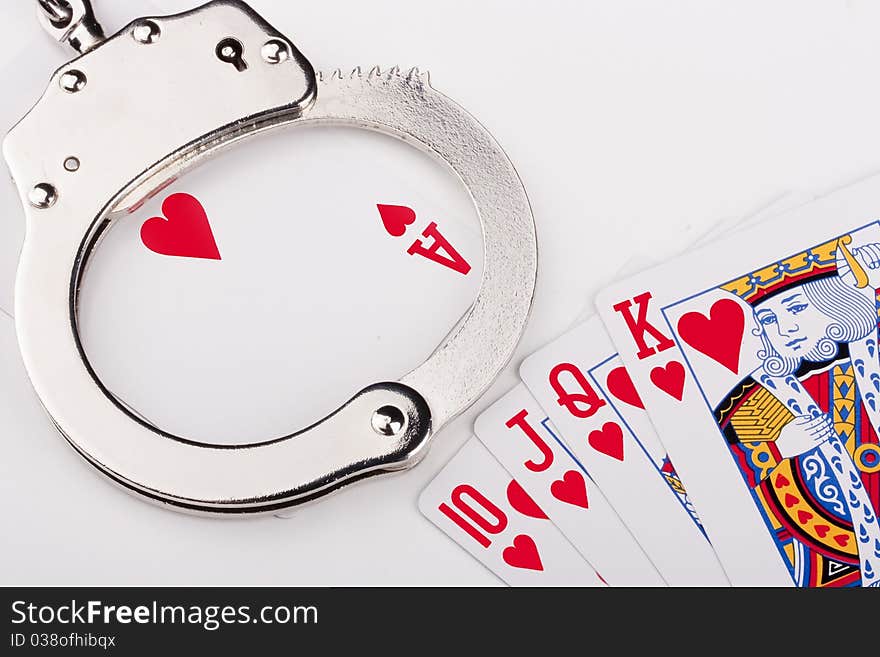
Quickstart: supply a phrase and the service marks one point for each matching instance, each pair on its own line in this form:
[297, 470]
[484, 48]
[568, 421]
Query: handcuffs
[131, 114]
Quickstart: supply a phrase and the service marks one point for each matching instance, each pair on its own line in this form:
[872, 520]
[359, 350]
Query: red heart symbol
[523, 554]
[571, 489]
[396, 218]
[781, 481]
[670, 379]
[822, 530]
[790, 500]
[804, 516]
[608, 440]
[621, 386]
[841, 539]
[522, 502]
[719, 335]
[184, 231]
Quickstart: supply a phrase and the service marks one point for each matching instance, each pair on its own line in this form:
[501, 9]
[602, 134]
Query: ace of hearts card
[757, 360]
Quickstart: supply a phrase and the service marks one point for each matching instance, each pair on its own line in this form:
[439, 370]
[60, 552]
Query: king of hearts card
[780, 362]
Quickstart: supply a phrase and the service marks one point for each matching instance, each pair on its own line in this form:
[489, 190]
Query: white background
[635, 127]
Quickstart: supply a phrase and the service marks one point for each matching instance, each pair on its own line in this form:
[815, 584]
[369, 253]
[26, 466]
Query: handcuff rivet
[71, 164]
[275, 51]
[146, 32]
[72, 81]
[43, 196]
[388, 421]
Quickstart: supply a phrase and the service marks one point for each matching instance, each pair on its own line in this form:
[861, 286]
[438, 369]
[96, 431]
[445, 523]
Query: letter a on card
[439, 251]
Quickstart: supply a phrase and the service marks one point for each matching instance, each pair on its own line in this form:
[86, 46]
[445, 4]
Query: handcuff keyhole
[231, 51]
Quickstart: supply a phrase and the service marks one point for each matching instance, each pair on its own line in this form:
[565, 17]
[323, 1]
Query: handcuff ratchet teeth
[136, 110]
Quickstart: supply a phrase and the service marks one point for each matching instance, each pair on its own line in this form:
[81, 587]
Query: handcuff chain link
[58, 12]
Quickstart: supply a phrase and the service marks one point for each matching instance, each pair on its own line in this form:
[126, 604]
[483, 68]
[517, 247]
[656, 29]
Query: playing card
[612, 380]
[631, 469]
[757, 360]
[520, 435]
[779, 205]
[477, 504]
[641, 261]
[274, 281]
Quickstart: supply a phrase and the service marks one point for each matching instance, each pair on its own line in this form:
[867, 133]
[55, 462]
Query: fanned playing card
[479, 506]
[569, 378]
[757, 359]
[520, 435]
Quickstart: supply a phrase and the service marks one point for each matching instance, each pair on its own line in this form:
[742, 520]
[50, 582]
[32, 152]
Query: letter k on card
[648, 342]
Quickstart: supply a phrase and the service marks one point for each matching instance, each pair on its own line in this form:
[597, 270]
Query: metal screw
[43, 196]
[72, 81]
[146, 32]
[388, 421]
[275, 51]
[71, 164]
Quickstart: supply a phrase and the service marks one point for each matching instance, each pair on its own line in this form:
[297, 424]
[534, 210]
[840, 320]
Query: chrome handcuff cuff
[92, 150]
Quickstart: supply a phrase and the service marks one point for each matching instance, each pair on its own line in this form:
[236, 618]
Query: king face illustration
[803, 426]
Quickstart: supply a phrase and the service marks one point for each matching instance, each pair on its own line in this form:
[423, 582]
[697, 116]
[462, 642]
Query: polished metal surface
[274, 51]
[72, 22]
[405, 105]
[146, 32]
[389, 421]
[57, 12]
[234, 77]
[43, 196]
[72, 81]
